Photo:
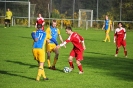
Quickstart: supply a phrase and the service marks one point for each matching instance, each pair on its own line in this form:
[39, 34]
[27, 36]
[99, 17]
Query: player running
[40, 20]
[120, 39]
[40, 38]
[78, 49]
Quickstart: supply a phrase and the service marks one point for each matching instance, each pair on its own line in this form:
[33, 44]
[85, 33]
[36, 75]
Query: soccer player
[40, 37]
[40, 20]
[120, 38]
[107, 26]
[8, 17]
[54, 32]
[78, 49]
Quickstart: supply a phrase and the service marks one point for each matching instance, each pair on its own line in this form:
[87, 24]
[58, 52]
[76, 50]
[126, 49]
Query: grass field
[101, 68]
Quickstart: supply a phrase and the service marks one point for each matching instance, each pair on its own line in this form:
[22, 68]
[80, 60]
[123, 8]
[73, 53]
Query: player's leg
[70, 60]
[125, 51]
[106, 36]
[41, 71]
[79, 57]
[5, 23]
[118, 44]
[55, 58]
[124, 47]
[48, 60]
[9, 22]
[35, 54]
[79, 66]
[48, 55]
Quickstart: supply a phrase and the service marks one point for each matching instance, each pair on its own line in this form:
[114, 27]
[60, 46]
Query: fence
[23, 21]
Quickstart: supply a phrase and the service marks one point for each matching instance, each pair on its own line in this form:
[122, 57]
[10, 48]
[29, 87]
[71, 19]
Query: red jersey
[40, 20]
[120, 33]
[76, 40]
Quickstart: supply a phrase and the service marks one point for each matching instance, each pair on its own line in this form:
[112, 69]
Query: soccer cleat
[70, 69]
[115, 55]
[45, 79]
[4, 27]
[80, 72]
[125, 56]
[104, 40]
[53, 68]
[49, 67]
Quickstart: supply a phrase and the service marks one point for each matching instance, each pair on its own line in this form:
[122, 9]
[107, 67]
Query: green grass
[101, 68]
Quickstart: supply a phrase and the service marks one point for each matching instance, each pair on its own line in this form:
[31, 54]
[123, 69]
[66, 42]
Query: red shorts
[77, 54]
[120, 42]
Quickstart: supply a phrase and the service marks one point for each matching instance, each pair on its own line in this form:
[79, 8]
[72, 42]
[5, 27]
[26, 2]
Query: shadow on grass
[93, 40]
[52, 69]
[12, 74]
[25, 37]
[121, 68]
[97, 53]
[31, 66]
[22, 63]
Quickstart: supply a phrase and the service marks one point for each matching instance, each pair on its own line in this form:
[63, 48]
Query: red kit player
[40, 20]
[120, 39]
[78, 49]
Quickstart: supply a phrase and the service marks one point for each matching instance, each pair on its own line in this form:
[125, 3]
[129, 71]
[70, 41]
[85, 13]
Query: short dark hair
[68, 28]
[54, 20]
[39, 26]
[120, 23]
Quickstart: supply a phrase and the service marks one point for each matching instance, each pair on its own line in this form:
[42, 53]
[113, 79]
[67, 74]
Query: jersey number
[40, 36]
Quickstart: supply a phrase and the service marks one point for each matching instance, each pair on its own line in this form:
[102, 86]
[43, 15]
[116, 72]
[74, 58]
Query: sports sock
[43, 73]
[80, 68]
[105, 38]
[9, 25]
[55, 60]
[108, 38]
[71, 64]
[117, 50]
[125, 52]
[49, 64]
[5, 25]
[40, 69]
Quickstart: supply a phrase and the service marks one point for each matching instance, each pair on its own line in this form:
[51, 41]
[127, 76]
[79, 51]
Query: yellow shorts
[50, 47]
[39, 55]
[107, 31]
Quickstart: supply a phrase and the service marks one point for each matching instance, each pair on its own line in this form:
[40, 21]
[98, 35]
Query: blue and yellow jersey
[107, 24]
[54, 32]
[42, 37]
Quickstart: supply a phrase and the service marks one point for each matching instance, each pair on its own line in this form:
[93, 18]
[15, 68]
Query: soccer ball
[66, 69]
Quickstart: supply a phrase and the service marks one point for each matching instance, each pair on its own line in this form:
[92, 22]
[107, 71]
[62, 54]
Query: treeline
[109, 7]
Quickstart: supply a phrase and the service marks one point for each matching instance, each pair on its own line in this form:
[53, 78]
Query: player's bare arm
[84, 47]
[61, 39]
[103, 26]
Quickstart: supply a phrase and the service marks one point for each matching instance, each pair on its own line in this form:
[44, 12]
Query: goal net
[85, 19]
[22, 11]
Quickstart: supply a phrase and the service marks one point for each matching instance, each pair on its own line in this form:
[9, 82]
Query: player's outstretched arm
[61, 39]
